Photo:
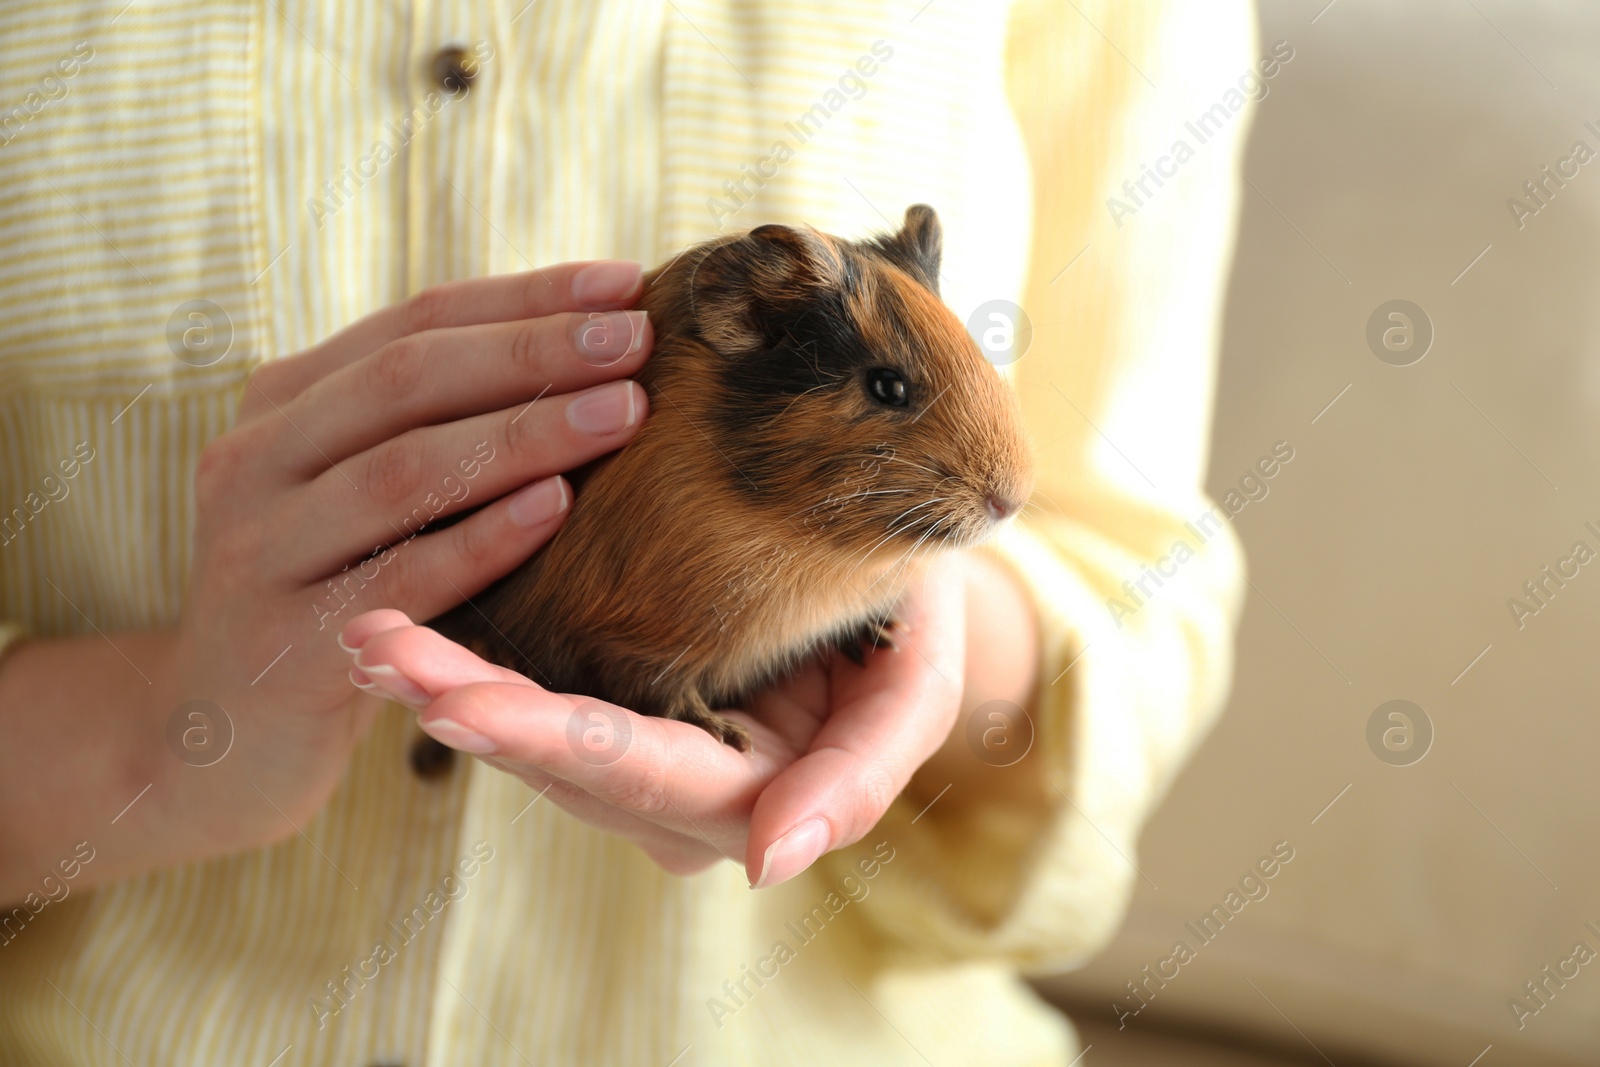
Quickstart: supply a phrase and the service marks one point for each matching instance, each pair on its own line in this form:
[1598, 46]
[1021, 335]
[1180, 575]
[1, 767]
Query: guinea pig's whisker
[944, 522]
[809, 348]
[859, 493]
[912, 551]
[857, 565]
[834, 502]
[941, 475]
[908, 557]
[894, 531]
[898, 517]
[804, 349]
[796, 400]
[914, 507]
[893, 572]
[909, 523]
[871, 492]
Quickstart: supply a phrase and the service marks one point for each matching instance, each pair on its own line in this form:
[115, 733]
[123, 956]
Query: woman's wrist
[1002, 665]
[1002, 635]
[83, 733]
[98, 756]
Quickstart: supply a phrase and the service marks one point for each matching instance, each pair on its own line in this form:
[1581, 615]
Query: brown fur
[770, 504]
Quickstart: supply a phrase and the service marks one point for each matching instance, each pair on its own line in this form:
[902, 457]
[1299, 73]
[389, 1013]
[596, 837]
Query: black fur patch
[818, 351]
[792, 306]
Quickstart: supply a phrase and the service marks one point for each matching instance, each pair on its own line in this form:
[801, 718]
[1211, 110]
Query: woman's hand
[472, 395]
[833, 745]
[308, 510]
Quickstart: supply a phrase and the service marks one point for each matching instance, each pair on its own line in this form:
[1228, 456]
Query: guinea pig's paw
[692, 708]
[726, 730]
[866, 636]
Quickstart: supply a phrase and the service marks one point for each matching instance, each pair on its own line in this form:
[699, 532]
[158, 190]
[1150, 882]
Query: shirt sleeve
[1135, 576]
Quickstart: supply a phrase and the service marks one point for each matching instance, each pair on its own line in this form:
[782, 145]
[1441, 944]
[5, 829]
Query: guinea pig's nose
[1000, 508]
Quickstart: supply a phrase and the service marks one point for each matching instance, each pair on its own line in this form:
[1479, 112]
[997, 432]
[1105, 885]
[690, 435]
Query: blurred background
[1444, 853]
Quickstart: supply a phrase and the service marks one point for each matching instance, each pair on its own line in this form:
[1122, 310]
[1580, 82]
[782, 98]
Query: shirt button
[430, 759]
[454, 69]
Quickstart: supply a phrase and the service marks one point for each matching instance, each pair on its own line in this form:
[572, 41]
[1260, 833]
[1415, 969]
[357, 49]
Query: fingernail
[537, 504]
[607, 337]
[361, 681]
[609, 409]
[449, 732]
[611, 281]
[397, 685]
[793, 853]
[340, 638]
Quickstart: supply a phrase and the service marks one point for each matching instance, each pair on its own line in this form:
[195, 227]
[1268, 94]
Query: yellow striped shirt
[283, 162]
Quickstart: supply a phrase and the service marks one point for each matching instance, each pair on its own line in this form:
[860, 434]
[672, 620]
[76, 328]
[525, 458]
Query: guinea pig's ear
[917, 247]
[742, 288]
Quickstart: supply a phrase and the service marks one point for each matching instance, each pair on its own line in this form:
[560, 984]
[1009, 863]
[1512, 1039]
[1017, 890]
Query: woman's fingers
[427, 659]
[668, 786]
[795, 708]
[658, 768]
[438, 376]
[415, 665]
[361, 629]
[429, 574]
[587, 286]
[390, 492]
[670, 772]
[673, 852]
[887, 719]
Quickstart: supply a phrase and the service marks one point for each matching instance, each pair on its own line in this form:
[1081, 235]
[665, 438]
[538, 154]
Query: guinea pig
[818, 420]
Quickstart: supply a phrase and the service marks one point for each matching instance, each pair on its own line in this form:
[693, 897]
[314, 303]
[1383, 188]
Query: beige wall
[1384, 556]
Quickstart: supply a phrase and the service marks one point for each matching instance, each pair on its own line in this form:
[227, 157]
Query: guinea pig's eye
[887, 386]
